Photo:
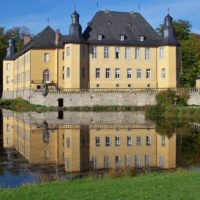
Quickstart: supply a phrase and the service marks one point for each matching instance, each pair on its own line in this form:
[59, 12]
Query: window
[117, 73]
[138, 140]
[148, 73]
[163, 140]
[148, 140]
[63, 55]
[161, 53]
[147, 53]
[83, 72]
[46, 155]
[117, 161]
[139, 73]
[127, 160]
[46, 76]
[107, 72]
[106, 52]
[163, 73]
[122, 37]
[100, 37]
[161, 161]
[68, 51]
[137, 160]
[7, 79]
[94, 52]
[141, 38]
[129, 141]
[68, 72]
[107, 141]
[127, 53]
[117, 141]
[94, 162]
[46, 57]
[117, 52]
[106, 162]
[137, 53]
[98, 75]
[129, 73]
[147, 160]
[8, 66]
[98, 141]
[68, 142]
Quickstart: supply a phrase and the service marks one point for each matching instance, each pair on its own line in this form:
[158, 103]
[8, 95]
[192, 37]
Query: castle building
[116, 50]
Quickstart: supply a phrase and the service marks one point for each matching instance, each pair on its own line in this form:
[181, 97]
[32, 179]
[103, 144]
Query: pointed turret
[75, 28]
[169, 36]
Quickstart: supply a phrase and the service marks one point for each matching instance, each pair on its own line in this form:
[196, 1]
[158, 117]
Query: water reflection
[58, 144]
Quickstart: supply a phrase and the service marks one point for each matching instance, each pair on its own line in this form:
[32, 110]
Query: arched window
[46, 76]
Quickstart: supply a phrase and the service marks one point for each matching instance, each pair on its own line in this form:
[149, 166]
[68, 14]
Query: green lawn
[162, 186]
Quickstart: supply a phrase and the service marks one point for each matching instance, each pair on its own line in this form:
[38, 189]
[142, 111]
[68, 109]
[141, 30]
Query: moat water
[38, 147]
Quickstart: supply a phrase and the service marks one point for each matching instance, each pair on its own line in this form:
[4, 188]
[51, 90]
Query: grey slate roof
[44, 40]
[113, 24]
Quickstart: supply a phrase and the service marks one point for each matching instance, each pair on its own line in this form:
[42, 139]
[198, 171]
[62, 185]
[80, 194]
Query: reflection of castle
[81, 147]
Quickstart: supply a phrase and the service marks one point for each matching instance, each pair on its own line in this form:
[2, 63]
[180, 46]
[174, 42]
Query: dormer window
[100, 37]
[141, 38]
[122, 37]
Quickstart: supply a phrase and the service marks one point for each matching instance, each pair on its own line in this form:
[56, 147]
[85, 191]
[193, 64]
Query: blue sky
[34, 13]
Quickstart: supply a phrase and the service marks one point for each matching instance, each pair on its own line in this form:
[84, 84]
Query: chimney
[27, 39]
[57, 36]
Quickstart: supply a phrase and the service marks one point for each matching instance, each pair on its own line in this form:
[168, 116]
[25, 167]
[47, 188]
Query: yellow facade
[198, 83]
[75, 62]
[82, 148]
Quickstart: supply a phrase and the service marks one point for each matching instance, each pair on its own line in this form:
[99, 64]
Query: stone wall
[89, 98]
[93, 99]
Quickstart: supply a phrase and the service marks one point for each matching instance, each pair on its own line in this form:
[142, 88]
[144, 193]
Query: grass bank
[155, 186]
[23, 106]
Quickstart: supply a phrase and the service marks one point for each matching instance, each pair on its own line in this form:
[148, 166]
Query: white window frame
[97, 73]
[108, 73]
[148, 140]
[129, 140]
[117, 141]
[68, 72]
[117, 52]
[139, 72]
[148, 73]
[147, 160]
[163, 73]
[67, 51]
[138, 140]
[137, 53]
[98, 141]
[106, 52]
[147, 53]
[137, 161]
[127, 53]
[117, 73]
[106, 161]
[161, 53]
[127, 160]
[46, 76]
[94, 52]
[107, 141]
[46, 57]
[129, 73]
